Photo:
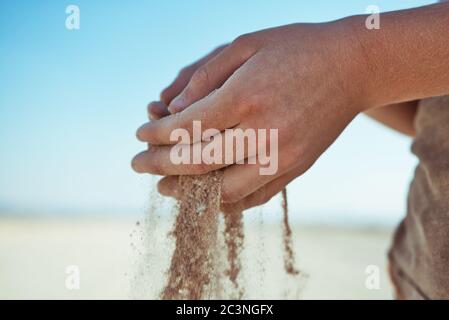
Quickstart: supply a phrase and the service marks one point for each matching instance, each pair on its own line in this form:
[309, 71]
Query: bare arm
[408, 58]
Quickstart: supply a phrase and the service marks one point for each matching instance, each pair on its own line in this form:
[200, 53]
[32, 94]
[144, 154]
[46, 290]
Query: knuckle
[242, 40]
[247, 104]
[184, 71]
[190, 92]
[200, 78]
[244, 44]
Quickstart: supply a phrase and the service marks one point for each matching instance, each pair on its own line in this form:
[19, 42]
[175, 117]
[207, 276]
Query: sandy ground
[34, 255]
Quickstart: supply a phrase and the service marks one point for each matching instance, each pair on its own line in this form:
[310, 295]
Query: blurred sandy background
[34, 255]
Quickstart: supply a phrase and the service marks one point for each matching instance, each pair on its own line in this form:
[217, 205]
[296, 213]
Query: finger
[177, 85]
[157, 110]
[259, 197]
[216, 108]
[216, 111]
[239, 181]
[158, 160]
[181, 81]
[211, 76]
[237, 145]
[168, 186]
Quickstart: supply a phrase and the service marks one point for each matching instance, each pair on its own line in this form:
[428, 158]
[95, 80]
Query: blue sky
[70, 102]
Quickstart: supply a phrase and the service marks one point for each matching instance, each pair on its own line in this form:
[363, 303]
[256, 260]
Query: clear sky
[70, 102]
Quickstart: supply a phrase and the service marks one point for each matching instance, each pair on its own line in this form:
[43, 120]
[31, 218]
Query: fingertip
[178, 104]
[172, 109]
[141, 133]
[136, 165]
[157, 110]
[154, 115]
[151, 107]
[175, 109]
[161, 187]
[151, 114]
[168, 186]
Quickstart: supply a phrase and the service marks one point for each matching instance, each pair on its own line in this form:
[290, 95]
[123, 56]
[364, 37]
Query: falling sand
[289, 256]
[192, 265]
[195, 270]
[234, 243]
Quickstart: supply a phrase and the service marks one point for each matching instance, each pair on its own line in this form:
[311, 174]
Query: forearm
[408, 58]
[399, 117]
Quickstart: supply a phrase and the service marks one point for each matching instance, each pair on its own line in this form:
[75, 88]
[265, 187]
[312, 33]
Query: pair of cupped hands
[306, 80]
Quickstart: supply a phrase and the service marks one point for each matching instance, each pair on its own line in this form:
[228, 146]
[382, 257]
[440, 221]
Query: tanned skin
[309, 81]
